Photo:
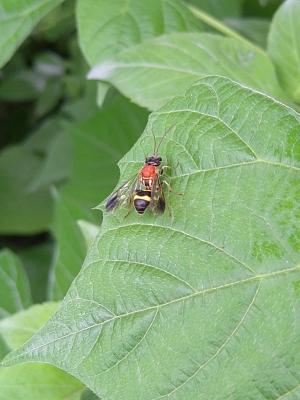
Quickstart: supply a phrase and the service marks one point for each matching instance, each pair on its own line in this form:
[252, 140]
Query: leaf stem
[213, 22]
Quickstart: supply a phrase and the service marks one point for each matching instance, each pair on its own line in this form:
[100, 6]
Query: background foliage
[182, 306]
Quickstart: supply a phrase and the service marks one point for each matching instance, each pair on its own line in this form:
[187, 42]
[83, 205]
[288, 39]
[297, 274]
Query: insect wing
[122, 196]
[158, 203]
[161, 204]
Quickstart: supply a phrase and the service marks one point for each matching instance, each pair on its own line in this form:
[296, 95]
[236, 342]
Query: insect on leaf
[202, 302]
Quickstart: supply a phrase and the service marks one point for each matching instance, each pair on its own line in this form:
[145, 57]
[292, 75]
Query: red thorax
[148, 174]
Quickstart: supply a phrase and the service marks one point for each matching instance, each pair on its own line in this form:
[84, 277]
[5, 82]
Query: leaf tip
[102, 71]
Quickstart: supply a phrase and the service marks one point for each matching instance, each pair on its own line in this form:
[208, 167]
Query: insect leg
[171, 189]
[163, 169]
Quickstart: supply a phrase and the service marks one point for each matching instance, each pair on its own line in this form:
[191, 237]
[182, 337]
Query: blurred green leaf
[14, 286]
[19, 83]
[89, 231]
[48, 65]
[37, 260]
[22, 211]
[97, 144]
[20, 86]
[51, 140]
[18, 328]
[254, 29]
[261, 8]
[284, 46]
[57, 24]
[88, 395]
[70, 248]
[106, 28]
[26, 173]
[33, 381]
[81, 107]
[158, 69]
[3, 348]
[102, 90]
[202, 302]
[37, 381]
[219, 9]
[17, 19]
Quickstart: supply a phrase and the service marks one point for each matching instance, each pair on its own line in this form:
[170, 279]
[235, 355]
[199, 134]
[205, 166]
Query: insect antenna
[145, 156]
[154, 141]
[163, 137]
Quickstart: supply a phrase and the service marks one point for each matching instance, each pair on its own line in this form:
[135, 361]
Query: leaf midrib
[256, 278]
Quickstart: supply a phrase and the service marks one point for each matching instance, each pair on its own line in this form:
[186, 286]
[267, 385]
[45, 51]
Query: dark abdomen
[141, 200]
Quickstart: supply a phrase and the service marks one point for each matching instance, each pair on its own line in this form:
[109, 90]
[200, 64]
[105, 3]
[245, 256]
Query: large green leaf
[97, 144]
[158, 69]
[106, 28]
[284, 46]
[17, 19]
[202, 302]
[34, 381]
[14, 286]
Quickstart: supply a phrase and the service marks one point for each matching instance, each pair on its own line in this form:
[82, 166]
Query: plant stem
[219, 26]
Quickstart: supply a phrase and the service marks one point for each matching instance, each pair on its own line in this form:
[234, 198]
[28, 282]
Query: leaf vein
[183, 298]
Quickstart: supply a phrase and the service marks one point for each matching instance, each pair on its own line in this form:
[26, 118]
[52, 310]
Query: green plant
[199, 303]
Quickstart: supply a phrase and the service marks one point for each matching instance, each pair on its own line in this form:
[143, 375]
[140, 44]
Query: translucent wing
[158, 204]
[123, 195]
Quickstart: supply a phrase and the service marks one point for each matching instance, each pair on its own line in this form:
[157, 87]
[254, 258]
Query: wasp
[145, 189]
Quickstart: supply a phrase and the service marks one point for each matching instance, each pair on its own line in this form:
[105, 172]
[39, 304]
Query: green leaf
[3, 348]
[97, 143]
[26, 173]
[18, 328]
[106, 28]
[156, 70]
[19, 83]
[37, 260]
[52, 142]
[14, 285]
[58, 24]
[89, 231]
[17, 19]
[33, 381]
[255, 29]
[49, 98]
[219, 9]
[22, 210]
[284, 46]
[261, 8]
[88, 395]
[20, 86]
[202, 302]
[70, 250]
